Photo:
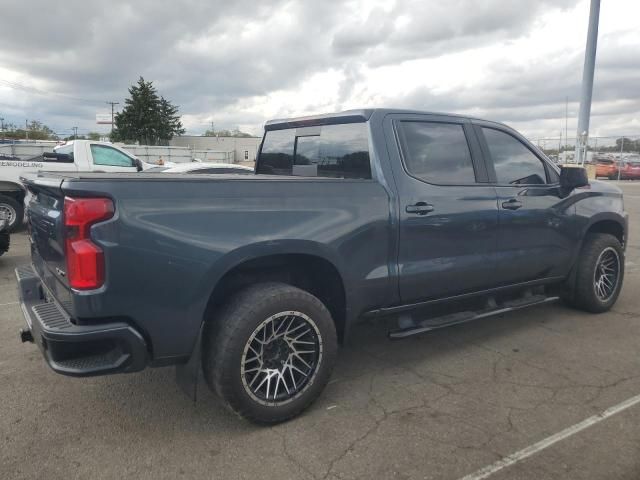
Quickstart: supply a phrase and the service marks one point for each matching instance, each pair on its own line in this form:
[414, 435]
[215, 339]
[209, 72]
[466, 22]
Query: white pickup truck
[75, 156]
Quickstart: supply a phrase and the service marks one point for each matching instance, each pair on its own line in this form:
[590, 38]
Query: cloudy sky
[242, 62]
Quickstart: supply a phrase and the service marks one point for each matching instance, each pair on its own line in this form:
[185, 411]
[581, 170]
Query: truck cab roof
[350, 116]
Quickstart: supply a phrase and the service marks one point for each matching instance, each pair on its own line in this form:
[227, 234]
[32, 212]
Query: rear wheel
[270, 352]
[599, 273]
[12, 211]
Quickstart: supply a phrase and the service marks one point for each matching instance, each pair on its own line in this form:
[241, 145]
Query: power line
[37, 91]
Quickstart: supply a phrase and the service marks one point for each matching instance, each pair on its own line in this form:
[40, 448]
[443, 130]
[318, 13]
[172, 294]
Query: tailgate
[46, 231]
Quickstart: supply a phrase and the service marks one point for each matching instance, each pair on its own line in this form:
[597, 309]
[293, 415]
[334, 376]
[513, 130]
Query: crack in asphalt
[452, 388]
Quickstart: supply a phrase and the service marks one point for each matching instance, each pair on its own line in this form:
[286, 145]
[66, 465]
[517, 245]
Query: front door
[447, 212]
[536, 222]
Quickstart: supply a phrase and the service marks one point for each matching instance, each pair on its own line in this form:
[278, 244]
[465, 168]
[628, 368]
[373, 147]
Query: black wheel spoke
[606, 276]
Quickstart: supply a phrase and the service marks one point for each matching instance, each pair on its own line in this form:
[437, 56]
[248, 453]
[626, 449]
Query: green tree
[35, 131]
[170, 123]
[95, 136]
[147, 117]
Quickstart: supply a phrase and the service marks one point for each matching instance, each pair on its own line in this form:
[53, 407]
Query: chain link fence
[615, 157]
[146, 153]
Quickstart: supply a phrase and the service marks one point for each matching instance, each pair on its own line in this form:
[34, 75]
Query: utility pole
[26, 128]
[113, 104]
[587, 82]
[620, 159]
[75, 133]
[559, 145]
[2, 128]
[566, 123]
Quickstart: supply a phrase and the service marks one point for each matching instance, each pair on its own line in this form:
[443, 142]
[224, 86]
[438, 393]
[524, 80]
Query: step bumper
[71, 349]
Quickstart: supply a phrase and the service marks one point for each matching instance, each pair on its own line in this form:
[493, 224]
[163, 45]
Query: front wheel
[269, 352]
[599, 273]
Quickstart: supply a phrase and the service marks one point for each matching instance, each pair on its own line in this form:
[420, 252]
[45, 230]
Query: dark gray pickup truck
[253, 280]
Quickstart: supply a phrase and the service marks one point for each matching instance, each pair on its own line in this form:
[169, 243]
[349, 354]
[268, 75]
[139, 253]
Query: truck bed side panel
[172, 240]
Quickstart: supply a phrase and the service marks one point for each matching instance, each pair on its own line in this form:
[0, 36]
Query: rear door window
[436, 152]
[334, 151]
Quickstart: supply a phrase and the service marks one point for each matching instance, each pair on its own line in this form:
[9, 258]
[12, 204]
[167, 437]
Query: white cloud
[240, 64]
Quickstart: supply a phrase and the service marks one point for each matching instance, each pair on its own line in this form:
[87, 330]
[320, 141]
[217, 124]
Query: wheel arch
[606, 222]
[306, 265]
[610, 223]
[13, 190]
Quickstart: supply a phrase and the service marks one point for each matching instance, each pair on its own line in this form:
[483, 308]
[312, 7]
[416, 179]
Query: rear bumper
[76, 350]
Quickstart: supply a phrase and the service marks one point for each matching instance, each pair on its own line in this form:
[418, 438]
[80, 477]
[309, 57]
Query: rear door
[536, 221]
[448, 213]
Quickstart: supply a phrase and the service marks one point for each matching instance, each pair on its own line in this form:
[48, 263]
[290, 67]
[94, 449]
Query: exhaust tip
[26, 336]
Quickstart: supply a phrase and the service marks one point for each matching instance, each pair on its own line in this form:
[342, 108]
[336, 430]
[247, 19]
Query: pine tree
[147, 117]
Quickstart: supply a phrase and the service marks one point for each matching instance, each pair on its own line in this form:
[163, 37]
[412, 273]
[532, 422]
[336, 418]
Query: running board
[467, 316]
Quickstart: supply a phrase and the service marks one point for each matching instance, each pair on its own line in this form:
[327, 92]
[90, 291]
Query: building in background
[244, 149]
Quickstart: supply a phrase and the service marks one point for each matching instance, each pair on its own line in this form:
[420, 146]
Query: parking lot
[442, 405]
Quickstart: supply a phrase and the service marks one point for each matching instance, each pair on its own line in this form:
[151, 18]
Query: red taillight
[85, 260]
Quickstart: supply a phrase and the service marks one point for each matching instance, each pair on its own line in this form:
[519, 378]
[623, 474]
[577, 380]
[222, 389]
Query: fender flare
[607, 216]
[12, 188]
[188, 374]
[257, 250]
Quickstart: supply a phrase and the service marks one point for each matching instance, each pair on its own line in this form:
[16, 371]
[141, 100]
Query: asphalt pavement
[462, 401]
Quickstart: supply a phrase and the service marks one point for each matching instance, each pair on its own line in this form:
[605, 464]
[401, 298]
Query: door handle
[511, 204]
[420, 208]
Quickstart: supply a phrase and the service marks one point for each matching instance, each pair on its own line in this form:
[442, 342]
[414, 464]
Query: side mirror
[138, 164]
[573, 177]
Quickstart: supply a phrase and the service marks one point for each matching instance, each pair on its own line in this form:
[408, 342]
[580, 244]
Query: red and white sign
[103, 118]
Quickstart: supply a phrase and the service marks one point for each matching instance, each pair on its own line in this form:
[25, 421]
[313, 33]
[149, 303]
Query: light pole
[587, 82]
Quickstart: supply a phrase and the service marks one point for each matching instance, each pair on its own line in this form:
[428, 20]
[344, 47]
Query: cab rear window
[334, 151]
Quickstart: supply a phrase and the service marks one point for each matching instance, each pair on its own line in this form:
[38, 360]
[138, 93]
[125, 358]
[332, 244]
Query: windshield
[65, 149]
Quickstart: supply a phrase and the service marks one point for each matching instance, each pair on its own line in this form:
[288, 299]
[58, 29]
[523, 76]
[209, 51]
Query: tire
[4, 243]
[585, 294]
[15, 211]
[234, 349]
